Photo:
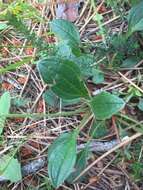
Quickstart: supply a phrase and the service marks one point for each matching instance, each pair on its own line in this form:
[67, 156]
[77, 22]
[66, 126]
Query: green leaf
[14, 66]
[98, 17]
[135, 18]
[98, 76]
[69, 83]
[130, 62]
[140, 105]
[10, 168]
[104, 105]
[61, 158]
[20, 102]
[64, 50]
[3, 26]
[137, 170]
[99, 129]
[54, 101]
[85, 62]
[65, 30]
[67, 33]
[51, 99]
[132, 91]
[4, 109]
[48, 69]
[79, 166]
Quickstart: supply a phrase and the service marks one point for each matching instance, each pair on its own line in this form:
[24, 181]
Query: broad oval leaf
[65, 30]
[48, 69]
[135, 18]
[10, 168]
[104, 105]
[4, 109]
[61, 158]
[69, 83]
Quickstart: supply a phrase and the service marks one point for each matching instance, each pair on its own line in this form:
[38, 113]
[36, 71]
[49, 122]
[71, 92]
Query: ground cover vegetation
[71, 99]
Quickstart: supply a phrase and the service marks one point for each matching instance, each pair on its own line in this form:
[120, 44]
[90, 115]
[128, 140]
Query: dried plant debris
[68, 11]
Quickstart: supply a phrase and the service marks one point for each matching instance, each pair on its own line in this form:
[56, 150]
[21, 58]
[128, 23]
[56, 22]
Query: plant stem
[39, 115]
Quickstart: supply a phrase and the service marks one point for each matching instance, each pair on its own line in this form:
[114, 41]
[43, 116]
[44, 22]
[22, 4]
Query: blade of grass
[15, 65]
